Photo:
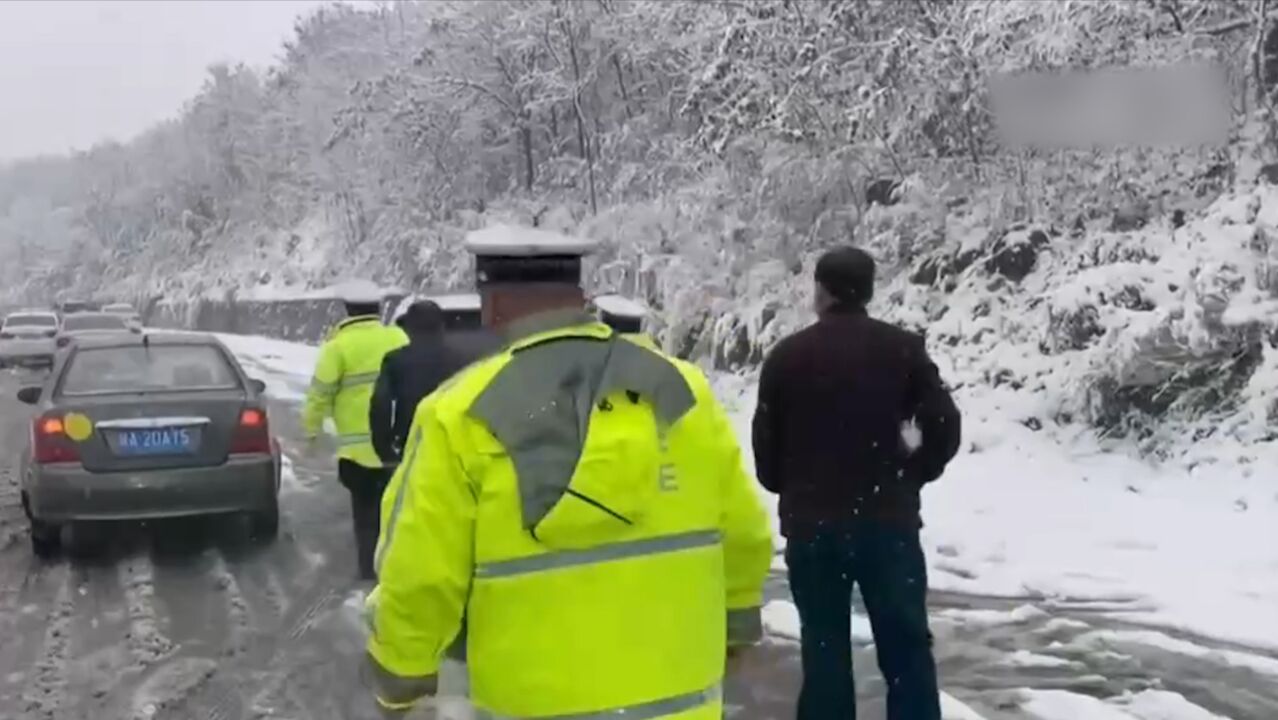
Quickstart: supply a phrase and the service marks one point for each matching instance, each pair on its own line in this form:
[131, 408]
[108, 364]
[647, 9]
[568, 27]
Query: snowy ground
[1067, 587]
[1023, 516]
[1061, 530]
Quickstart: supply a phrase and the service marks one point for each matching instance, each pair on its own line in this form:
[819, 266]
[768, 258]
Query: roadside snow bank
[336, 291]
[1147, 705]
[1025, 515]
[285, 367]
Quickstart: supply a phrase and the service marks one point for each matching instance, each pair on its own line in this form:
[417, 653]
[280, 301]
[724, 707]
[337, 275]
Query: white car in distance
[124, 309]
[92, 324]
[27, 338]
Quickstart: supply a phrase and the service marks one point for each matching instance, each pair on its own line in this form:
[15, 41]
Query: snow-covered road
[189, 621]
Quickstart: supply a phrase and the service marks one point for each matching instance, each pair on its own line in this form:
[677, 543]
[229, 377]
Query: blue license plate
[159, 441]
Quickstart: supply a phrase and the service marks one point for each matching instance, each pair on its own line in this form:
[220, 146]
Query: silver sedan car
[136, 427]
[27, 338]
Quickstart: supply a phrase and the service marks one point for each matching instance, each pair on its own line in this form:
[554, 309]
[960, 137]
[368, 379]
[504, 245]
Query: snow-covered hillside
[1166, 337]
[716, 149]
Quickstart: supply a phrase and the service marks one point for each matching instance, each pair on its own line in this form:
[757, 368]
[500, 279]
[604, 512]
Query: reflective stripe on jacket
[342, 385]
[581, 501]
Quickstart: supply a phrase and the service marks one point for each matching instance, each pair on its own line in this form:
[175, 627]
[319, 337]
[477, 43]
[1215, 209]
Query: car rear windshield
[94, 322]
[31, 321]
[158, 368]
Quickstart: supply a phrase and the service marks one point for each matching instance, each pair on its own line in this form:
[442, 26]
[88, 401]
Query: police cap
[621, 313]
[513, 254]
[359, 292]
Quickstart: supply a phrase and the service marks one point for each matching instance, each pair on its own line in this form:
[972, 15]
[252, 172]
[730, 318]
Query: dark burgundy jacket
[833, 398]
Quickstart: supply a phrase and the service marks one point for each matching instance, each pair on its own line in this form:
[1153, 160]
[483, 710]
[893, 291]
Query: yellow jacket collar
[553, 323]
[357, 319]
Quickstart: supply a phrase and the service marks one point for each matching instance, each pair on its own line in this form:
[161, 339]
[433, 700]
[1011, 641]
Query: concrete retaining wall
[294, 320]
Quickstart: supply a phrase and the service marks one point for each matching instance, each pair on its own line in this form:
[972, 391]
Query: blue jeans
[887, 563]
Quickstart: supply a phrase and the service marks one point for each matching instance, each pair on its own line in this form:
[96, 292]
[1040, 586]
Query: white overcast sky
[73, 72]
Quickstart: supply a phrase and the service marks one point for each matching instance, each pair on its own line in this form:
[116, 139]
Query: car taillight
[7, 335]
[252, 433]
[50, 441]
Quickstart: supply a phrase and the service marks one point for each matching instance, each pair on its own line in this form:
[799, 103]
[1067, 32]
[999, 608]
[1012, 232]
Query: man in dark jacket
[834, 400]
[409, 374]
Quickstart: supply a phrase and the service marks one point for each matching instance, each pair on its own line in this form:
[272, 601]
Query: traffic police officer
[581, 502]
[341, 388]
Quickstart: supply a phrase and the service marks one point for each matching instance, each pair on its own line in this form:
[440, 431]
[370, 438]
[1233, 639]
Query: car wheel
[264, 525]
[46, 539]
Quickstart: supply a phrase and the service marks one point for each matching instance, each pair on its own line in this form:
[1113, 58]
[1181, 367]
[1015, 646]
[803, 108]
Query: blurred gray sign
[1183, 105]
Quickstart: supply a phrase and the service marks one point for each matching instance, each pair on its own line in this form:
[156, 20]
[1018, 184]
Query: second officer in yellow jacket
[581, 502]
[341, 389]
[625, 316]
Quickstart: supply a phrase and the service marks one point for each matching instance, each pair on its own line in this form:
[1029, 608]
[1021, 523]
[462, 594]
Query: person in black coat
[408, 375]
[829, 437]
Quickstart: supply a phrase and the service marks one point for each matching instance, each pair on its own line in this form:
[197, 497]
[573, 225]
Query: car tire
[264, 524]
[46, 538]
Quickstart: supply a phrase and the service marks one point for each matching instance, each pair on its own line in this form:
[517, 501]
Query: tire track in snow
[101, 661]
[168, 687]
[101, 613]
[146, 642]
[13, 427]
[250, 679]
[275, 593]
[221, 696]
[289, 589]
[325, 688]
[13, 521]
[201, 686]
[44, 694]
[281, 660]
[259, 683]
[285, 657]
[257, 575]
[239, 625]
[208, 621]
[29, 589]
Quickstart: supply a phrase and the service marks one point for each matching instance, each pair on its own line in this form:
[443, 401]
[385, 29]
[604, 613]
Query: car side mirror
[257, 385]
[30, 395]
[64, 341]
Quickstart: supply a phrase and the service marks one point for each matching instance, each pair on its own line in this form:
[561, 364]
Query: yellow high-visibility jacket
[342, 387]
[581, 502]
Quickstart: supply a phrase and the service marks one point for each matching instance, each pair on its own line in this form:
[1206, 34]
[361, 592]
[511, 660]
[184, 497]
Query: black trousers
[366, 486]
[887, 563]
